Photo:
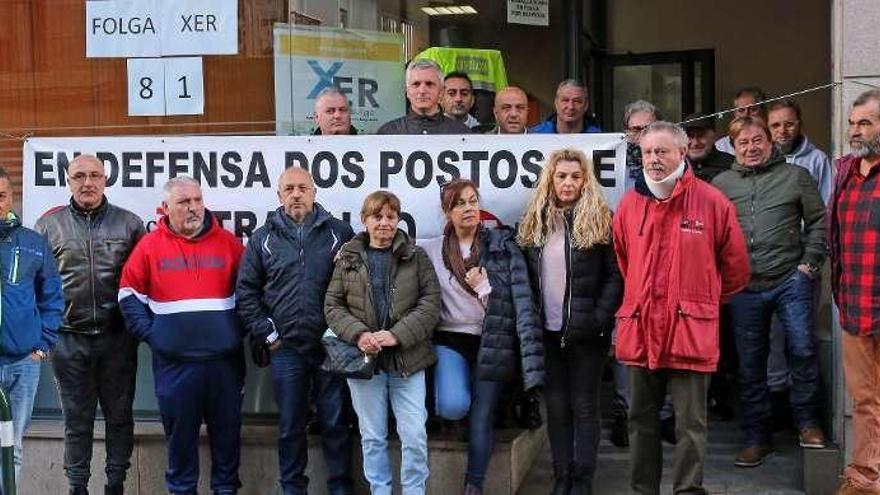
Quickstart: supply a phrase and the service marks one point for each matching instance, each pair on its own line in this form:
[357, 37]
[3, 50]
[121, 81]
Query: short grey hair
[178, 181]
[424, 64]
[331, 91]
[639, 106]
[681, 137]
[867, 96]
[574, 83]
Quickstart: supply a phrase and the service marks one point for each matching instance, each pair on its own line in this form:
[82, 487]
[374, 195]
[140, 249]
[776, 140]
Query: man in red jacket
[855, 239]
[682, 254]
[177, 295]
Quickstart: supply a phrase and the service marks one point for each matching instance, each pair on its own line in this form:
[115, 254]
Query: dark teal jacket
[30, 290]
[782, 217]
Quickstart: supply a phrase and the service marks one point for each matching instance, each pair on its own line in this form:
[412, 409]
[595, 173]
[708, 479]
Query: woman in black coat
[566, 231]
[488, 330]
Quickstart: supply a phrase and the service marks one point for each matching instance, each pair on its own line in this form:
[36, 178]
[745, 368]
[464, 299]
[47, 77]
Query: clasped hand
[373, 342]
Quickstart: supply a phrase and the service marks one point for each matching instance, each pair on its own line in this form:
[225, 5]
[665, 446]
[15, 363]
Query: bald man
[281, 285]
[511, 111]
[95, 361]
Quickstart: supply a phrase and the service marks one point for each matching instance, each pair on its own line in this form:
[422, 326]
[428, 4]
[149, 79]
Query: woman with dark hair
[566, 231]
[487, 322]
[385, 299]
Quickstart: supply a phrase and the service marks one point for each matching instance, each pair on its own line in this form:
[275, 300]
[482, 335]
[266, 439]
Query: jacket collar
[209, 224]
[401, 246]
[351, 131]
[437, 117]
[279, 221]
[776, 158]
[9, 224]
[77, 210]
[589, 121]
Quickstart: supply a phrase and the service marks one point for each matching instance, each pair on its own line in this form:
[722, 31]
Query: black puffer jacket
[284, 276]
[593, 289]
[511, 331]
[90, 248]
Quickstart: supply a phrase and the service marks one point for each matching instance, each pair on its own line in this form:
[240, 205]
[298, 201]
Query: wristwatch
[41, 353]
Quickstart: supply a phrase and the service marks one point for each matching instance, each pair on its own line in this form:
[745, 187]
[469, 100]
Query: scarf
[454, 262]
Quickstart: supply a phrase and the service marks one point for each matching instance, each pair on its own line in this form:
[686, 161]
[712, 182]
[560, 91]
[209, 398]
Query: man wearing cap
[705, 159]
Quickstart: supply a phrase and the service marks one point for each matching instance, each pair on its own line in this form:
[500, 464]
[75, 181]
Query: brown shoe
[753, 455]
[847, 488]
[812, 437]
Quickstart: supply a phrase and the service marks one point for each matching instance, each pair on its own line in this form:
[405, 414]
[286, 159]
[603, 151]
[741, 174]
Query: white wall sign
[165, 86]
[122, 29]
[239, 174]
[146, 86]
[532, 12]
[364, 65]
[153, 28]
[199, 27]
[184, 86]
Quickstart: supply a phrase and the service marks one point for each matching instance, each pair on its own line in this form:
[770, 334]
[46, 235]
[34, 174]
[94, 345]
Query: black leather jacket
[90, 249]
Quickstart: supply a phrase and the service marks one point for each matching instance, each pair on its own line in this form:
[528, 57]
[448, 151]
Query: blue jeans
[188, 394]
[293, 375]
[457, 393]
[19, 380]
[792, 302]
[370, 399]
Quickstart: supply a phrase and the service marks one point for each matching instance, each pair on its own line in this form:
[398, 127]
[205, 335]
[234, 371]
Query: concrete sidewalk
[781, 474]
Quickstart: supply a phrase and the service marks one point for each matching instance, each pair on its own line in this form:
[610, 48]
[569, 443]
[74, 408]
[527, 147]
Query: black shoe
[79, 490]
[562, 481]
[113, 489]
[620, 431]
[581, 483]
[667, 430]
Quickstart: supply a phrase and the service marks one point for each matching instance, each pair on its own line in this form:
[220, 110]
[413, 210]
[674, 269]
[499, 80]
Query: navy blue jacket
[284, 276]
[30, 290]
[591, 126]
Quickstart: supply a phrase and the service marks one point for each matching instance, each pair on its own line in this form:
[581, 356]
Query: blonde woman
[566, 232]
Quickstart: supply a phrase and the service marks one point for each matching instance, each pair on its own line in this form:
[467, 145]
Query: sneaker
[753, 455]
[848, 488]
[811, 437]
[620, 431]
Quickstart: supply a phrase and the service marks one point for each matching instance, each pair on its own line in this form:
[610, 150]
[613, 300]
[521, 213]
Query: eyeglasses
[462, 204]
[81, 178]
[636, 129]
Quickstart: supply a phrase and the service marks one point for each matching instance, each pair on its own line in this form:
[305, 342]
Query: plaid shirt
[855, 244]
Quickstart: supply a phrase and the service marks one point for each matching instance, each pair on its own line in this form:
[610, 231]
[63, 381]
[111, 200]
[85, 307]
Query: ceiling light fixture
[449, 10]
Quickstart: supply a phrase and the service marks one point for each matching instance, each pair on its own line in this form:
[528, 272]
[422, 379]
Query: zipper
[92, 267]
[13, 273]
[567, 301]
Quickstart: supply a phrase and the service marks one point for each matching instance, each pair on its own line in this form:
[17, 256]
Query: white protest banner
[367, 66]
[199, 27]
[239, 174]
[124, 28]
[531, 12]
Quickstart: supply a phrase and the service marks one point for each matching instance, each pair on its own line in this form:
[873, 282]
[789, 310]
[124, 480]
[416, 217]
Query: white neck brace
[662, 189]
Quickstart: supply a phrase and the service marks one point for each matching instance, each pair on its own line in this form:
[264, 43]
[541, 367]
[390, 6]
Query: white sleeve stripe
[192, 305]
[128, 291]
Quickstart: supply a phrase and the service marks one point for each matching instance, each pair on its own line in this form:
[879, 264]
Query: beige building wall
[781, 46]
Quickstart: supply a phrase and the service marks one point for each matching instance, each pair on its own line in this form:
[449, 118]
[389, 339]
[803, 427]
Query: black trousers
[571, 391]
[92, 370]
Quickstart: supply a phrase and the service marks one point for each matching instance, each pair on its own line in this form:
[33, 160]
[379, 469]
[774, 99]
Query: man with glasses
[95, 361]
[637, 116]
[784, 120]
